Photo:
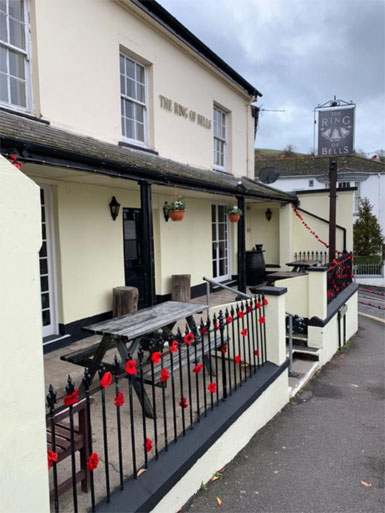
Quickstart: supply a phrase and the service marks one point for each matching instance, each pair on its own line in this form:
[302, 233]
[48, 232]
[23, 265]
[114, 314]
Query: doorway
[220, 243]
[133, 252]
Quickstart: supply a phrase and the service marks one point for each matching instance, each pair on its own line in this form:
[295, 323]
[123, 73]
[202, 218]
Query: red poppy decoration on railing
[198, 367]
[14, 161]
[258, 305]
[148, 445]
[244, 332]
[174, 346]
[93, 461]
[72, 398]
[188, 338]
[52, 458]
[155, 357]
[261, 320]
[106, 379]
[119, 399]
[265, 301]
[241, 314]
[164, 375]
[237, 359]
[216, 325]
[212, 388]
[131, 367]
[224, 349]
[249, 308]
[229, 319]
[256, 352]
[203, 330]
[183, 403]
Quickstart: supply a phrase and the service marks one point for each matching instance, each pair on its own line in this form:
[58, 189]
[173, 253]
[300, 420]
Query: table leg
[105, 344]
[143, 398]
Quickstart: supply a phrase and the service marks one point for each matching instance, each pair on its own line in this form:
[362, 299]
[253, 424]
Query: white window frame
[224, 141]
[357, 198]
[136, 142]
[27, 64]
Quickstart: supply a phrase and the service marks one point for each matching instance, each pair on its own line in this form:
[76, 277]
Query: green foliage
[178, 204]
[367, 236]
[234, 210]
[289, 151]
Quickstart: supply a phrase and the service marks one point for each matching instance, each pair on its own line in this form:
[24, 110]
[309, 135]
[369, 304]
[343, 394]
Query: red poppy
[131, 367]
[52, 457]
[155, 357]
[212, 388]
[249, 308]
[198, 367]
[257, 305]
[164, 375]
[13, 157]
[72, 398]
[237, 359]
[229, 319]
[174, 346]
[93, 461]
[265, 301]
[261, 320]
[148, 445]
[244, 332]
[216, 325]
[183, 403]
[106, 379]
[203, 330]
[188, 338]
[119, 399]
[256, 352]
[224, 349]
[240, 314]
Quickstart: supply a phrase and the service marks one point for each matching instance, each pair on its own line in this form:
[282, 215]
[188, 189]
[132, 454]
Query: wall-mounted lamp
[165, 211]
[114, 208]
[268, 214]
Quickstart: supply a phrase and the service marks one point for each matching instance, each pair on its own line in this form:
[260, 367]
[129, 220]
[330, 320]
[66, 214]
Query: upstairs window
[220, 139]
[133, 100]
[311, 183]
[14, 62]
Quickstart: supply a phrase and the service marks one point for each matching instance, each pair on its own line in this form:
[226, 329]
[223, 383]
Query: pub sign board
[336, 131]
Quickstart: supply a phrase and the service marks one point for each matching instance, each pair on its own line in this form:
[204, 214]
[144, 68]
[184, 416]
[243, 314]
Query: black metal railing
[141, 406]
[339, 276]
[321, 256]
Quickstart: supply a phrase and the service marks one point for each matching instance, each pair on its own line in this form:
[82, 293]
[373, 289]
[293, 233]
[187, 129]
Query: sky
[299, 54]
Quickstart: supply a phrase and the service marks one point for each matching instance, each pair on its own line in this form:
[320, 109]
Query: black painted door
[133, 251]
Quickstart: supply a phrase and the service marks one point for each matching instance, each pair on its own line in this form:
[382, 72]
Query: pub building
[116, 112]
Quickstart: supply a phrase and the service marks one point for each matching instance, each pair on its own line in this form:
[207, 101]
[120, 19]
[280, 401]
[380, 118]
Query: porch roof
[41, 143]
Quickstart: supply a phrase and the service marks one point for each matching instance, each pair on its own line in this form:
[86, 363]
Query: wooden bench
[63, 443]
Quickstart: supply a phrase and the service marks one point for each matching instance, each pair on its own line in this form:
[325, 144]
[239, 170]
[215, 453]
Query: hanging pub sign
[336, 129]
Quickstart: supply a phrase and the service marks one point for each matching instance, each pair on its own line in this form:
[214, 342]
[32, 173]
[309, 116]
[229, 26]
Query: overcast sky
[298, 54]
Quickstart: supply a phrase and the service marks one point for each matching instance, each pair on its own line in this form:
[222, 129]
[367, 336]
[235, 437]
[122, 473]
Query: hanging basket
[234, 218]
[176, 215]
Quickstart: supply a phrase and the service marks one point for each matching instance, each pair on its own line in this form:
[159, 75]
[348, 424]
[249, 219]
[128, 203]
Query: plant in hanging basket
[176, 209]
[234, 213]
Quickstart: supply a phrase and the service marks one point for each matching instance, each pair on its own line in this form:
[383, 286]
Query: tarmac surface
[324, 453]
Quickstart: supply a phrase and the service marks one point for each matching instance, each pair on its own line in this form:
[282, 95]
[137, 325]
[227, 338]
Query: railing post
[290, 343]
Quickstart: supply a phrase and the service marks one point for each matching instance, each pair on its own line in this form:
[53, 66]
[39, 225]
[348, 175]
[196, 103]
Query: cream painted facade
[79, 89]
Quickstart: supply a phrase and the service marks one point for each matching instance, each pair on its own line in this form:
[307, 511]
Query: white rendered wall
[297, 184]
[23, 445]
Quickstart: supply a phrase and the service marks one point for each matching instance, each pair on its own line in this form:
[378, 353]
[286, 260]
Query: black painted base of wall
[143, 494]
[75, 328]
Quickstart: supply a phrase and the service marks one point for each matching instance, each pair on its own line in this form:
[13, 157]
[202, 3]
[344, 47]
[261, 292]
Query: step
[304, 353]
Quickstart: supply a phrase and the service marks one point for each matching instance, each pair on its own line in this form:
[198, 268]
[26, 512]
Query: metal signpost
[335, 138]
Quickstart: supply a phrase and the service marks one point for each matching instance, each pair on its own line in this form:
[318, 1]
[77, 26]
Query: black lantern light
[268, 214]
[165, 212]
[114, 208]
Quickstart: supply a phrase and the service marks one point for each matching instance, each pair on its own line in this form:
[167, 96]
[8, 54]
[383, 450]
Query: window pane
[129, 110]
[44, 283]
[130, 88]
[43, 266]
[46, 318]
[140, 74]
[43, 250]
[43, 232]
[3, 28]
[122, 68]
[130, 68]
[3, 6]
[139, 113]
[45, 300]
[17, 36]
[16, 9]
[16, 64]
[140, 92]
[3, 88]
[130, 129]
[140, 132]
[3, 59]
[18, 92]
[122, 84]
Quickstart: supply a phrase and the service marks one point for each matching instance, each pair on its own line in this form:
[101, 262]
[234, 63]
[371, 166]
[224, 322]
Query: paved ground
[371, 301]
[314, 456]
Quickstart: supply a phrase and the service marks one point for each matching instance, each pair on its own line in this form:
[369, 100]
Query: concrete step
[305, 353]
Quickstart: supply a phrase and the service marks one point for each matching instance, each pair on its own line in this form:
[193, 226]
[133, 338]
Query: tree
[289, 150]
[380, 155]
[367, 236]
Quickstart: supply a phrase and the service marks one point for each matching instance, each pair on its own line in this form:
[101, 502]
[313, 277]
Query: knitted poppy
[188, 338]
[249, 308]
[148, 445]
[72, 398]
[224, 349]
[212, 388]
[256, 352]
[155, 357]
[203, 330]
[265, 301]
[119, 399]
[261, 320]
[198, 367]
[131, 367]
[183, 403]
[106, 379]
[229, 319]
[244, 332]
[240, 314]
[258, 305]
[93, 461]
[174, 346]
[216, 325]
[164, 375]
[237, 359]
[52, 458]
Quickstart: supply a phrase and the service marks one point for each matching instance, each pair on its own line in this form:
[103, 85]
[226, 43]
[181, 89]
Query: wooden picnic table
[126, 333]
[302, 265]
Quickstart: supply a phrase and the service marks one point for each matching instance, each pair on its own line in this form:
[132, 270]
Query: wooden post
[124, 300]
[181, 287]
[242, 246]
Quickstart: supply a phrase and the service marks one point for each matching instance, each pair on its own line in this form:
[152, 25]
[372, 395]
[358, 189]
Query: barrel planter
[255, 266]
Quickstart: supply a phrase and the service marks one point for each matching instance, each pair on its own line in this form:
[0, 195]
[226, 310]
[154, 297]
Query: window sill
[137, 147]
[24, 115]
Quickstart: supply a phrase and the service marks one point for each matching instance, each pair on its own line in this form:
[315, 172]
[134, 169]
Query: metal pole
[290, 344]
[332, 207]
[242, 247]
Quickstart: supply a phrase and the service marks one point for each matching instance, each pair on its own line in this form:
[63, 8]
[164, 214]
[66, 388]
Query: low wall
[371, 281]
[228, 445]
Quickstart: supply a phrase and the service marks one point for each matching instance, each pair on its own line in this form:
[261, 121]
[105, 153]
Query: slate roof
[318, 166]
[41, 142]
